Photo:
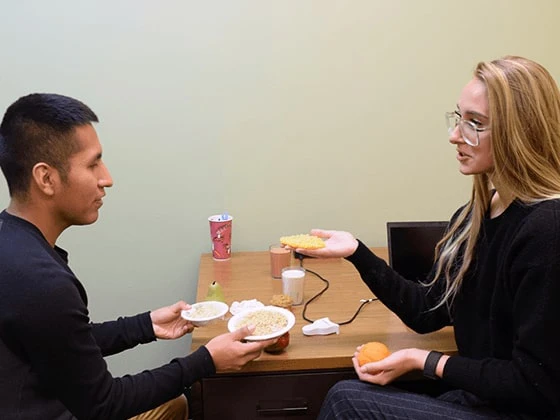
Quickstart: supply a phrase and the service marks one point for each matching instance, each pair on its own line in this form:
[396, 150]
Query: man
[51, 355]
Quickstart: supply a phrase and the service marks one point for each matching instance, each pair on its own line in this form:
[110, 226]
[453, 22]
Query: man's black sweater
[51, 355]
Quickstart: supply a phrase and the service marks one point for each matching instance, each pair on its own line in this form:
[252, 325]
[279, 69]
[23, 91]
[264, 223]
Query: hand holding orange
[373, 351]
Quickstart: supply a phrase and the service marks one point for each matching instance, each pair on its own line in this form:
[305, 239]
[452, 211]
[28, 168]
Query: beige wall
[287, 114]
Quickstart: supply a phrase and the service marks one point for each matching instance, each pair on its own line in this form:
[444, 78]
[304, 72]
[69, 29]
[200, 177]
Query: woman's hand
[337, 244]
[393, 366]
[168, 323]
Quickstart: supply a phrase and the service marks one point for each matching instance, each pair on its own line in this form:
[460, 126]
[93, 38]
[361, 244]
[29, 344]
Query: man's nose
[106, 181]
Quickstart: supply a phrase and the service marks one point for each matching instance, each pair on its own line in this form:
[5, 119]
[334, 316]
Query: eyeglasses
[469, 130]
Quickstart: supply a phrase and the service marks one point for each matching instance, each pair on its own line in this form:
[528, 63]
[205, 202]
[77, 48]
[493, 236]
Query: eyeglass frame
[459, 120]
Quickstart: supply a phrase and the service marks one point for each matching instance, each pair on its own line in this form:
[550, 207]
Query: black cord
[363, 301]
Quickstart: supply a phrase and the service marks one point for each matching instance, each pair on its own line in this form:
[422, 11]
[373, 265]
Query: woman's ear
[45, 178]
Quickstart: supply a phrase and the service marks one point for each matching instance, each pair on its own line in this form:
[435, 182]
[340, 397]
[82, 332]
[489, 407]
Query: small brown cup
[280, 257]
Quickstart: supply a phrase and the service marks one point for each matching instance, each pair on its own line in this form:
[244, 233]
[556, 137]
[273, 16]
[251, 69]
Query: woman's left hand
[393, 366]
[168, 323]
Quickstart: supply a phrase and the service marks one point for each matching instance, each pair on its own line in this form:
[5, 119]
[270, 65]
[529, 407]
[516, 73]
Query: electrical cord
[363, 302]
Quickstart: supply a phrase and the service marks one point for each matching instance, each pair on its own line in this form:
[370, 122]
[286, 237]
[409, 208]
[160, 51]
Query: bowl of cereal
[202, 313]
[269, 322]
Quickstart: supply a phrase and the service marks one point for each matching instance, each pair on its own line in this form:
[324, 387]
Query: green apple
[215, 292]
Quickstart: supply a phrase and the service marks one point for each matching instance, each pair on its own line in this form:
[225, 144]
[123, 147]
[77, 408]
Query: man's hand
[337, 244]
[229, 353]
[168, 323]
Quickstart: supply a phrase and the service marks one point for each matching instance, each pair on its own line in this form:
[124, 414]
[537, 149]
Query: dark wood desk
[295, 381]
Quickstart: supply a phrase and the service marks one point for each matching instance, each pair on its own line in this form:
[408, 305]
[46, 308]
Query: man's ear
[45, 178]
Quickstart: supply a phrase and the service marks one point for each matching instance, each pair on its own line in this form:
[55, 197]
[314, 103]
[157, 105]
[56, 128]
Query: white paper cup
[292, 283]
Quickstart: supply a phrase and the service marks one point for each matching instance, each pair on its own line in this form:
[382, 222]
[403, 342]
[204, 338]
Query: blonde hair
[524, 114]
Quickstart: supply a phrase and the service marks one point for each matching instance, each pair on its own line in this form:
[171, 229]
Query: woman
[496, 278]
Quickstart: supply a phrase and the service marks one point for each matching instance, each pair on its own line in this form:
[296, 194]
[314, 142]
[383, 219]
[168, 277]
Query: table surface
[247, 276]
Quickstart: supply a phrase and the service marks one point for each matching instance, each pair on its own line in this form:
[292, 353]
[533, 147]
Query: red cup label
[220, 232]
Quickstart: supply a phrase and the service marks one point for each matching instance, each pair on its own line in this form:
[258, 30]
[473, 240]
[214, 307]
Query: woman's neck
[500, 201]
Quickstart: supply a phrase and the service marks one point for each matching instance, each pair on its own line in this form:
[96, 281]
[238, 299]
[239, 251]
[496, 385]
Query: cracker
[303, 241]
[283, 301]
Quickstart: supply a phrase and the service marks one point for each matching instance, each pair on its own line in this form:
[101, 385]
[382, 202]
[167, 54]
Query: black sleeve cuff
[197, 365]
[366, 262]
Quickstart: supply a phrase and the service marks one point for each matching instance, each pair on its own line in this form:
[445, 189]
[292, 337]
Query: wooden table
[316, 361]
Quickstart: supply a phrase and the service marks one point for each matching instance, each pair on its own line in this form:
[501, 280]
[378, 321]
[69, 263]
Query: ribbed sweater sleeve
[124, 333]
[411, 301]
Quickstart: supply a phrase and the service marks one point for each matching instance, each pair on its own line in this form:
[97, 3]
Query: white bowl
[236, 319]
[217, 310]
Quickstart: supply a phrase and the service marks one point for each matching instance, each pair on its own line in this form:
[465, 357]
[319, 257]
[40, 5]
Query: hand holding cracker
[337, 244]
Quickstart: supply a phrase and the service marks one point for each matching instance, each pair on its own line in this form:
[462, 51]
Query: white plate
[236, 319]
[219, 309]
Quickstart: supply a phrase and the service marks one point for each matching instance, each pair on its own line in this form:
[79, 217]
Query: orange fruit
[372, 352]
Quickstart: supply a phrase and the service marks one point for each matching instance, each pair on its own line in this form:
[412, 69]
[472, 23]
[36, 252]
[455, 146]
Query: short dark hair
[39, 128]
